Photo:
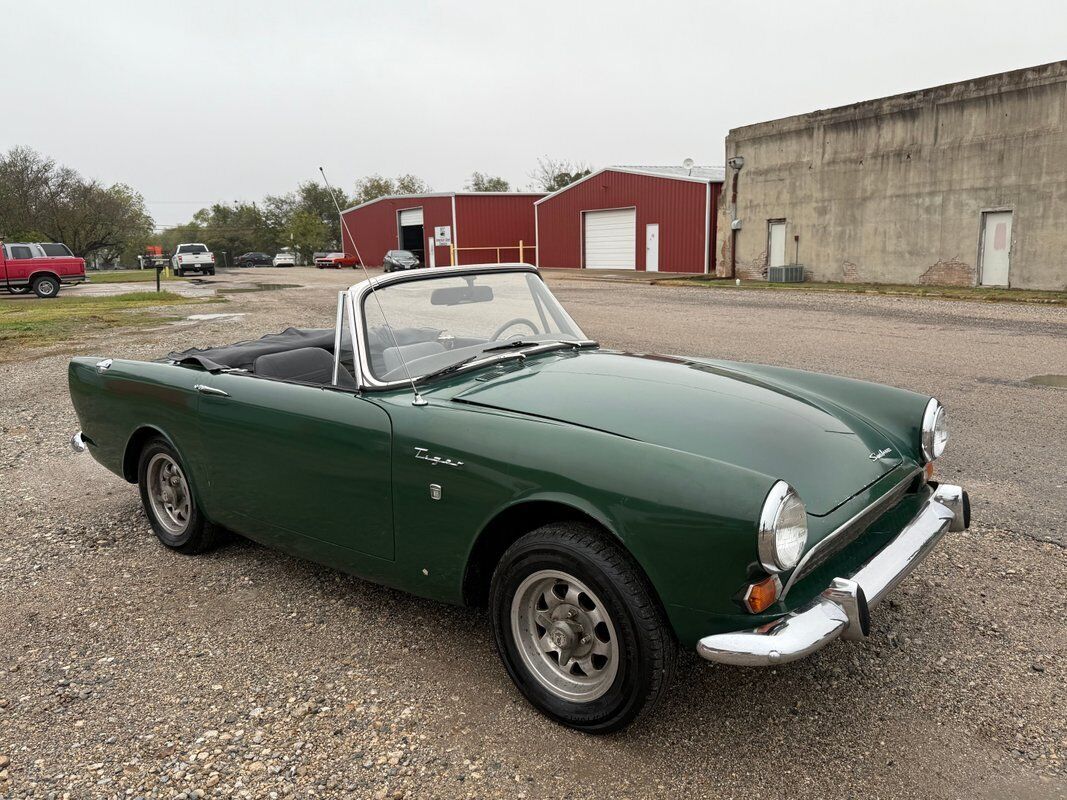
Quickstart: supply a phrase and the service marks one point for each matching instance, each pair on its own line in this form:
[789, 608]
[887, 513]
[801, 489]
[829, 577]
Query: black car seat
[304, 365]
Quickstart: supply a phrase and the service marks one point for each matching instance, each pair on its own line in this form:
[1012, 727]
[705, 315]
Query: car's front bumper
[843, 608]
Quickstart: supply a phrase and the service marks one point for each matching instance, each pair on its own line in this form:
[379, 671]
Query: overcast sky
[195, 102]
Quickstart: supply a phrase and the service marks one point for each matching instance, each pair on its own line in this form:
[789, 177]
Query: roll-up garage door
[611, 239]
[410, 216]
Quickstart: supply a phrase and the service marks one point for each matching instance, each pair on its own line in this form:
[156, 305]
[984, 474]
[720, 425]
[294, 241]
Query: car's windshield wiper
[575, 343]
[449, 368]
[510, 345]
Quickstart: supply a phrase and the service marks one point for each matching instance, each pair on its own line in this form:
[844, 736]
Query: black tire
[211, 272]
[46, 286]
[646, 647]
[196, 535]
[178, 272]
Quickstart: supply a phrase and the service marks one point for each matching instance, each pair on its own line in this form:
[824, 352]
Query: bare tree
[552, 175]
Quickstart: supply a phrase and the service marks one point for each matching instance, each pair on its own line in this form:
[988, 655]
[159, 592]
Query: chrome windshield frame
[360, 291]
[345, 310]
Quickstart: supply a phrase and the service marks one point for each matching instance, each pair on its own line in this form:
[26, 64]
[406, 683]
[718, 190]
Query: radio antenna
[419, 400]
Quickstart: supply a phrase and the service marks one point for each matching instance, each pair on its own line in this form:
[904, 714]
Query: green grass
[29, 322]
[128, 276]
[986, 294]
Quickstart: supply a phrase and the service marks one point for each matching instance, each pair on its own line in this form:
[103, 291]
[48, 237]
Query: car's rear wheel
[46, 286]
[169, 501]
[578, 628]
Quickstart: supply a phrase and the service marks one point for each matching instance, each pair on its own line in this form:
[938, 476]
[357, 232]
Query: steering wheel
[516, 321]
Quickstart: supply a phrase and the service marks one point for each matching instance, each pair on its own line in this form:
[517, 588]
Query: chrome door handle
[210, 390]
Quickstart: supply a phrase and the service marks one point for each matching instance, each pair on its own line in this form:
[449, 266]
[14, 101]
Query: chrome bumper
[77, 443]
[843, 609]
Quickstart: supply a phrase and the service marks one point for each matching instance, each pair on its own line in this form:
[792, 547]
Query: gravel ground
[127, 670]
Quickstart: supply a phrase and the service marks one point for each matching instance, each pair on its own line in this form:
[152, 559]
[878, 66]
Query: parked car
[193, 257]
[252, 260]
[396, 260]
[477, 447]
[40, 267]
[284, 260]
[336, 261]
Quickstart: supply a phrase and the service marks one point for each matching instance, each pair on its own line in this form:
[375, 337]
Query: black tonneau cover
[243, 354]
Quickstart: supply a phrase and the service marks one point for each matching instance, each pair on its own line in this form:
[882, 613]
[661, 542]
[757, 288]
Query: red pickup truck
[39, 266]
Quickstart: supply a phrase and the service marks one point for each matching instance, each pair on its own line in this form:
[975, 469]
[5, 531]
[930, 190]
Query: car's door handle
[210, 390]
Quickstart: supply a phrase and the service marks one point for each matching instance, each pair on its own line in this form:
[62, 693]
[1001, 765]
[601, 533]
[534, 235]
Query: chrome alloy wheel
[565, 636]
[168, 492]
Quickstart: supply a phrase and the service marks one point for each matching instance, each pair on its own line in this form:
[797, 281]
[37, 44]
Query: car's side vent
[792, 273]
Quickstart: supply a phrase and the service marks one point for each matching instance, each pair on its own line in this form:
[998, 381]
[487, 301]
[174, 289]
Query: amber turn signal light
[929, 470]
[761, 596]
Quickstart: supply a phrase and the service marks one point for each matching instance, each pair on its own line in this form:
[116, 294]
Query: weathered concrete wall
[893, 190]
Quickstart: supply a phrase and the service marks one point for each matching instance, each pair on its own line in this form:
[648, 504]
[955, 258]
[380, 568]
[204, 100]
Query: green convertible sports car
[456, 435]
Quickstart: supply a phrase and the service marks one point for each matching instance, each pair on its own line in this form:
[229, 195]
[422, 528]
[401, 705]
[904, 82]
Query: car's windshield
[402, 254]
[192, 248]
[432, 324]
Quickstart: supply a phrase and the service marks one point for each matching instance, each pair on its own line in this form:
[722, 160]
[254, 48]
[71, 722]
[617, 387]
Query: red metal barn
[483, 227]
[643, 218]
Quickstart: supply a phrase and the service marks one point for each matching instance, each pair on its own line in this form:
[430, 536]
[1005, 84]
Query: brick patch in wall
[950, 272]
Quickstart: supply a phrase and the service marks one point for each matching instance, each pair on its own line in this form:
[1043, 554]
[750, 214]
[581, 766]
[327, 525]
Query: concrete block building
[963, 184]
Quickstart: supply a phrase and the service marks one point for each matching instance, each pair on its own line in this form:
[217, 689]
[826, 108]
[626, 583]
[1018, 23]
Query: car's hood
[827, 454]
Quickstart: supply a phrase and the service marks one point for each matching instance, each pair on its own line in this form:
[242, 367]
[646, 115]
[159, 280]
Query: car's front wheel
[169, 501]
[578, 628]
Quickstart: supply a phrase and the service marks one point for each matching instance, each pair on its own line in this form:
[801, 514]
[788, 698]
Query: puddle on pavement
[203, 317]
[1059, 381]
[260, 287]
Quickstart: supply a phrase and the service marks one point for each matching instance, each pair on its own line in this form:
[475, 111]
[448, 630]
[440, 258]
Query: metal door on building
[611, 239]
[776, 243]
[995, 251]
[652, 247]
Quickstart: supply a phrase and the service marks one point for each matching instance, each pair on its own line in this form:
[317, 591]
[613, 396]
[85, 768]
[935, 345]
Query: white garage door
[611, 239]
[410, 216]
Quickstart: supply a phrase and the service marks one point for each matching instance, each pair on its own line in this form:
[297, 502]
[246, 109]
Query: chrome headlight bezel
[773, 556]
[935, 433]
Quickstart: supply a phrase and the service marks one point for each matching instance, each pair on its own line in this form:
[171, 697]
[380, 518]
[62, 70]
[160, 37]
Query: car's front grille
[841, 538]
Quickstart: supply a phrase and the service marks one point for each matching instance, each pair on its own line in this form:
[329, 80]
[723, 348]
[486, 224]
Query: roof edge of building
[973, 87]
[440, 194]
[630, 171]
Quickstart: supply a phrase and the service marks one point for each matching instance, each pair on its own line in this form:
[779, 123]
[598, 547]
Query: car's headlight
[935, 431]
[783, 528]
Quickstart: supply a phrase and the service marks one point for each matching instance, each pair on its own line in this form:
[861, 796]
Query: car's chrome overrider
[77, 443]
[843, 608]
